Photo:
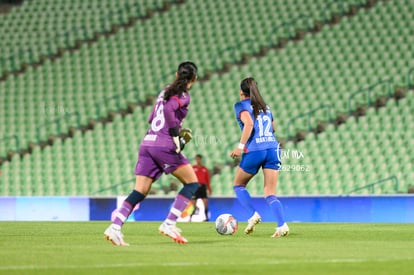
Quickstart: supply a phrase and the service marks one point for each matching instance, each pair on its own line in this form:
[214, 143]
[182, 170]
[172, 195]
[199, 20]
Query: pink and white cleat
[115, 236]
[173, 232]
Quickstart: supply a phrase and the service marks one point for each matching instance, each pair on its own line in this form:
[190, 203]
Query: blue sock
[134, 198]
[244, 198]
[277, 209]
[189, 190]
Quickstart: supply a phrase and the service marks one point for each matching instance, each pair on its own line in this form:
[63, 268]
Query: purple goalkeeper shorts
[153, 161]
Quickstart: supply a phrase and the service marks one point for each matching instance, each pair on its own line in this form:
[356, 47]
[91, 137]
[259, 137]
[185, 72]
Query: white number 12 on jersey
[265, 124]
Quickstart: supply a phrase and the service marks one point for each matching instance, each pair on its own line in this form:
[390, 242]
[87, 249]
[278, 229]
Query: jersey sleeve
[169, 112]
[238, 108]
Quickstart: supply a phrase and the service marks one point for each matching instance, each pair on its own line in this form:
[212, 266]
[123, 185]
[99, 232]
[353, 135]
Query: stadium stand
[327, 67]
[359, 152]
[102, 77]
[43, 28]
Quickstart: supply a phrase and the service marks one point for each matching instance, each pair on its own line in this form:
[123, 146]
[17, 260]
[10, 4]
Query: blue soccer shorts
[252, 161]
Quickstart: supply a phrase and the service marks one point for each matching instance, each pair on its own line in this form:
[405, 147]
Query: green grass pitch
[311, 248]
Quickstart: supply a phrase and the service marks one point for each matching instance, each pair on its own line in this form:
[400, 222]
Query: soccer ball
[226, 224]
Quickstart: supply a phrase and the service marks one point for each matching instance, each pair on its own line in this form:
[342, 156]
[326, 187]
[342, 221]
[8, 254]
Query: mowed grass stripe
[281, 262]
[311, 248]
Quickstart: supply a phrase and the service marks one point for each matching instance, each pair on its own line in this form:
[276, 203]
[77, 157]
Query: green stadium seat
[292, 81]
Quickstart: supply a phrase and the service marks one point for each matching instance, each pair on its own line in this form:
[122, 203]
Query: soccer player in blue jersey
[160, 152]
[258, 148]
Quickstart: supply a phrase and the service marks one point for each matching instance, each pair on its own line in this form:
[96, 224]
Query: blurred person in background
[203, 192]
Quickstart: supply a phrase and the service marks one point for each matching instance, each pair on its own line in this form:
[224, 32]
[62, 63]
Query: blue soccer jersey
[262, 136]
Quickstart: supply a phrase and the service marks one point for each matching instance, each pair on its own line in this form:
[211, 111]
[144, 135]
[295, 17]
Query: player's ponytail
[250, 89]
[186, 72]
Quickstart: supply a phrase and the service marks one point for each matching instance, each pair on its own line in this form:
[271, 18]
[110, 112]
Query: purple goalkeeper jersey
[166, 115]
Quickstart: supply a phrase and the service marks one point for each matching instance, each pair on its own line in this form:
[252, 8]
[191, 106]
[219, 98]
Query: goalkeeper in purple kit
[160, 152]
[258, 148]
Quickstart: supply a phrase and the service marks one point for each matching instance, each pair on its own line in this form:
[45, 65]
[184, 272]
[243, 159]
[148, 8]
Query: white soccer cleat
[281, 231]
[115, 236]
[255, 219]
[173, 232]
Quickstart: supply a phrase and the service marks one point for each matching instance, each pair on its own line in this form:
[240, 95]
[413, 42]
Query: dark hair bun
[187, 70]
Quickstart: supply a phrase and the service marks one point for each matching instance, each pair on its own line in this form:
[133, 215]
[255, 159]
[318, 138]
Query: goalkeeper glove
[177, 139]
[186, 134]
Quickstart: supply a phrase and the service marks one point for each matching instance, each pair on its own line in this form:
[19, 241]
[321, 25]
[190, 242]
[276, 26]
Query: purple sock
[122, 213]
[180, 203]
